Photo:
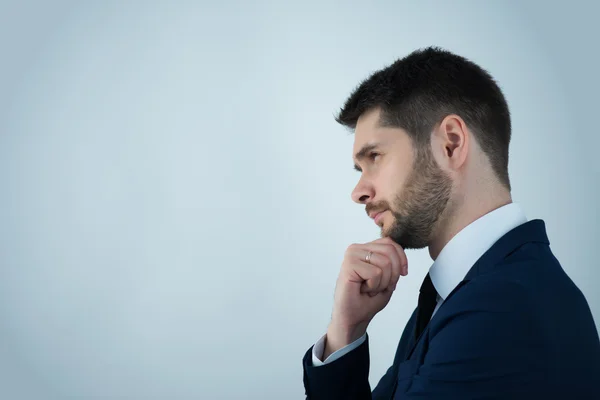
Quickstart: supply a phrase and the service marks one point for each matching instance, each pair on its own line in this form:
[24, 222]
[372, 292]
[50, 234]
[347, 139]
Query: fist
[363, 289]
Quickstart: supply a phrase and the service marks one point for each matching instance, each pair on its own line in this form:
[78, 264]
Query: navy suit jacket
[516, 327]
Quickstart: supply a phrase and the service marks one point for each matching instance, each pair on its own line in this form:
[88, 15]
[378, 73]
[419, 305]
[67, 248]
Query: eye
[373, 155]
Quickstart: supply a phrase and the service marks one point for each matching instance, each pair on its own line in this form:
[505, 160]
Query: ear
[450, 142]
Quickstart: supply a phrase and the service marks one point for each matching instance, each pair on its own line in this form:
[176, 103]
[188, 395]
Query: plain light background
[175, 193]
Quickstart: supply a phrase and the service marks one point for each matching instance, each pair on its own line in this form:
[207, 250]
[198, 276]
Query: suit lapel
[414, 342]
[532, 231]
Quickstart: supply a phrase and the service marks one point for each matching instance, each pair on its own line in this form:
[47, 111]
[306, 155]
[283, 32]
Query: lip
[377, 217]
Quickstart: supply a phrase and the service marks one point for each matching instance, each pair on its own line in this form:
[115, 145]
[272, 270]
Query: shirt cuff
[319, 348]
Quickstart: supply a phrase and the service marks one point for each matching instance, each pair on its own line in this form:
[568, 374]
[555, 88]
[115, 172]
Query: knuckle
[352, 247]
[390, 249]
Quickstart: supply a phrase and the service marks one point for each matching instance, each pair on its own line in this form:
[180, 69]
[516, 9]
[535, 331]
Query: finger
[391, 253]
[365, 290]
[373, 294]
[400, 251]
[380, 260]
[368, 275]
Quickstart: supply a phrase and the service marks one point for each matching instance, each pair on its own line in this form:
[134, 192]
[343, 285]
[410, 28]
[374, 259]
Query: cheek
[395, 180]
[391, 185]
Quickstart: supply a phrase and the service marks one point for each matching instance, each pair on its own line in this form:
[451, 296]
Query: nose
[362, 192]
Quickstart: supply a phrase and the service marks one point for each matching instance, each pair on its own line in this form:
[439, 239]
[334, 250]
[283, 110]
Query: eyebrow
[362, 153]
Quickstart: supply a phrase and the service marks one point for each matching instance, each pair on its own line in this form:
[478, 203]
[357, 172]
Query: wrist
[338, 337]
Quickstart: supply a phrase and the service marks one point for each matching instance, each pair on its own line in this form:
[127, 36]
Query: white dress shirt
[452, 264]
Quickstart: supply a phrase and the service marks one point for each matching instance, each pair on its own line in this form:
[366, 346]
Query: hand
[363, 289]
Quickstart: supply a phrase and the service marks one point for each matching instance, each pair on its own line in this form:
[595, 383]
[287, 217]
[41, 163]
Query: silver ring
[368, 257]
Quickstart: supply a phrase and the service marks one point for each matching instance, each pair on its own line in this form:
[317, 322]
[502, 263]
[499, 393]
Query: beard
[422, 206]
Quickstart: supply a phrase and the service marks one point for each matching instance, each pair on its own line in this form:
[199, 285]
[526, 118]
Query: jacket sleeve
[346, 378]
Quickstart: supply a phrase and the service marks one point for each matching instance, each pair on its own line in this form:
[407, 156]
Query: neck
[464, 213]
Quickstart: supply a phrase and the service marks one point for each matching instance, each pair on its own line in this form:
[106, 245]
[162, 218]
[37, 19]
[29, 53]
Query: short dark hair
[416, 92]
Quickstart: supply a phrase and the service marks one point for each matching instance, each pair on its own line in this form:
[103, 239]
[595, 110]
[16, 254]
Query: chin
[384, 232]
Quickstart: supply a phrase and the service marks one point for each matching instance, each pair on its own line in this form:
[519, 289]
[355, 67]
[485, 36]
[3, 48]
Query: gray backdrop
[175, 196]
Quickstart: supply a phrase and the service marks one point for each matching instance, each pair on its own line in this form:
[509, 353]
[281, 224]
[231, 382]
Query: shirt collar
[467, 246]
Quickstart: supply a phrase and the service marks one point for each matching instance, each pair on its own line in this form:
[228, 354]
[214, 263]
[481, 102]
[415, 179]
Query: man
[497, 317]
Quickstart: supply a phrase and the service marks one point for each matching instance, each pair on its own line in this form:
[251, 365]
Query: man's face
[408, 186]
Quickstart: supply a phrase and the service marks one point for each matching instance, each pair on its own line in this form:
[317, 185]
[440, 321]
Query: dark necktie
[426, 306]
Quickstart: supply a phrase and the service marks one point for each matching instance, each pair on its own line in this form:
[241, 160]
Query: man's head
[441, 127]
